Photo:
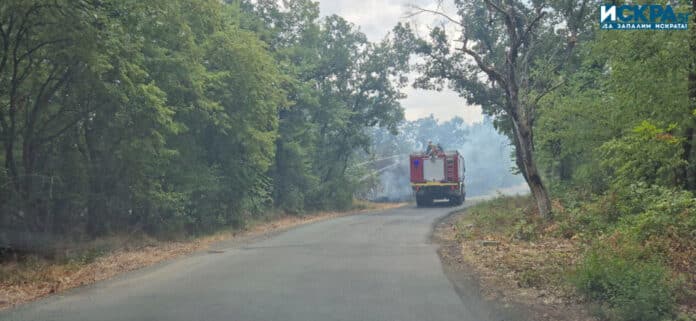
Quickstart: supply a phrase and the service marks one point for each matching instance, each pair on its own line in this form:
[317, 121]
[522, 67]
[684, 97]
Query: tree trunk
[526, 157]
[9, 140]
[518, 158]
[522, 132]
[96, 209]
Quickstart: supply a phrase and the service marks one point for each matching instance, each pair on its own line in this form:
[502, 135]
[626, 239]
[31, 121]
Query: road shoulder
[25, 282]
[483, 302]
[498, 297]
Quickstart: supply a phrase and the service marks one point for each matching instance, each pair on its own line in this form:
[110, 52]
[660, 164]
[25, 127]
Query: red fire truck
[438, 175]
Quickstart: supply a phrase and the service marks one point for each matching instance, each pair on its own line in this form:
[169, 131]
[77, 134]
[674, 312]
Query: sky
[376, 18]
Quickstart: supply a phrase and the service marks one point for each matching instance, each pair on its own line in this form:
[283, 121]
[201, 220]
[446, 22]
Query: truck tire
[424, 201]
[421, 201]
[456, 200]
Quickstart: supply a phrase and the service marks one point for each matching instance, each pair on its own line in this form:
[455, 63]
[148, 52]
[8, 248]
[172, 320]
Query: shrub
[587, 219]
[629, 288]
[637, 209]
[665, 212]
[666, 227]
[647, 154]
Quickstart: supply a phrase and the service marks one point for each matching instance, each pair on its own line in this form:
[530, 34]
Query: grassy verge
[583, 257]
[33, 277]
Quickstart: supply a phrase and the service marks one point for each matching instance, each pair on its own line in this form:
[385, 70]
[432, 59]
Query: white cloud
[376, 18]
[443, 105]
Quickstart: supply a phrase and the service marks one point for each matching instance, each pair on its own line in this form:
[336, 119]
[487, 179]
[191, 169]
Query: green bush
[587, 219]
[628, 289]
[636, 209]
[664, 212]
[647, 154]
[639, 197]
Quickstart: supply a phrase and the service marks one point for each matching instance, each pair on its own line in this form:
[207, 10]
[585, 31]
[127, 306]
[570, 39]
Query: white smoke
[487, 154]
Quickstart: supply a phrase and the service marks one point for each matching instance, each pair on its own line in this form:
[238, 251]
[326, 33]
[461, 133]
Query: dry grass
[34, 278]
[532, 269]
[522, 259]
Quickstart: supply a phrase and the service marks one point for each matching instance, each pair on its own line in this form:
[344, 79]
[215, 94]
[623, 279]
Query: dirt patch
[500, 269]
[27, 281]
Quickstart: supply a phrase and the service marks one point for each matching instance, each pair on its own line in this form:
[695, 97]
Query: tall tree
[507, 56]
[47, 51]
[340, 84]
[181, 116]
[609, 97]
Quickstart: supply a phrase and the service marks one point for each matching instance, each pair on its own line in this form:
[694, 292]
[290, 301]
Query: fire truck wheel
[423, 201]
[420, 202]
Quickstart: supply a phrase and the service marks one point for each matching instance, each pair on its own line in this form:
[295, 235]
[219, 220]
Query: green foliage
[512, 216]
[638, 198]
[176, 117]
[639, 240]
[621, 171]
[627, 289]
[640, 237]
[648, 154]
[572, 124]
[339, 85]
[587, 220]
[604, 125]
[670, 214]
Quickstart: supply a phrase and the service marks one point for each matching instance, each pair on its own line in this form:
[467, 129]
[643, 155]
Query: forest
[602, 124]
[181, 117]
[170, 117]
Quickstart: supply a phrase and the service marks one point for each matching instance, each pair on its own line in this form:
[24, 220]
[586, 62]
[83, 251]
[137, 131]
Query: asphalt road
[379, 266]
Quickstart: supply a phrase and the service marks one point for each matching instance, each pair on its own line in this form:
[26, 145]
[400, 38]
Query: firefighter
[430, 149]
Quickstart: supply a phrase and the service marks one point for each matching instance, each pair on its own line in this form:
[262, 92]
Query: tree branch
[43, 96]
[547, 91]
[37, 47]
[496, 7]
[6, 42]
[509, 18]
[488, 69]
[420, 10]
[540, 14]
[60, 132]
